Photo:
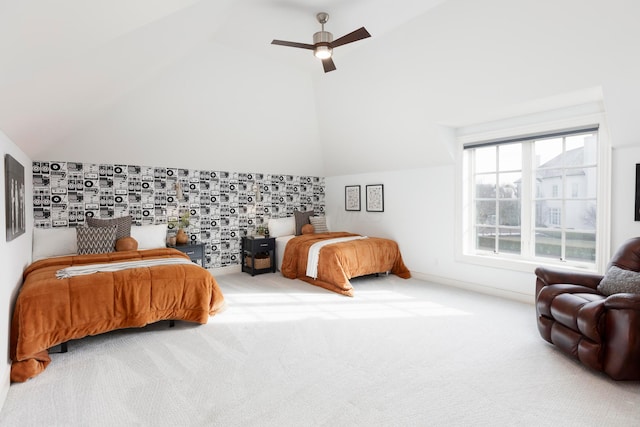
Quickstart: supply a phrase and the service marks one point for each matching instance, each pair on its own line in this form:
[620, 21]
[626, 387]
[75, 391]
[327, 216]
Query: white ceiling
[61, 61]
[77, 76]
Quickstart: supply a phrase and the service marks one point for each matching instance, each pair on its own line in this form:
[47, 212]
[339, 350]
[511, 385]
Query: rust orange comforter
[340, 262]
[50, 311]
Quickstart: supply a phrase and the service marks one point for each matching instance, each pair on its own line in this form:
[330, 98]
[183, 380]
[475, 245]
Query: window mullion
[563, 206]
[496, 243]
[471, 200]
[527, 198]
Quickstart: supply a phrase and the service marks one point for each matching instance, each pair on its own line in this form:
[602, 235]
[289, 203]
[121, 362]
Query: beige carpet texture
[285, 353]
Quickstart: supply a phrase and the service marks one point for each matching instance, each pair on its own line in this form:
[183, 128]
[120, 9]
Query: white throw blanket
[314, 253]
[82, 270]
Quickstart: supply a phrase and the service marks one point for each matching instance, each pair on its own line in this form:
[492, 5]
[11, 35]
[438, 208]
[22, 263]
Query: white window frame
[465, 251]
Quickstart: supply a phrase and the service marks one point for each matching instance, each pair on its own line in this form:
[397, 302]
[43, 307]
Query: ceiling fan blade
[328, 65]
[354, 36]
[293, 44]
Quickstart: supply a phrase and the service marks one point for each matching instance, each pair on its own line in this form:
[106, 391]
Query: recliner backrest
[627, 256]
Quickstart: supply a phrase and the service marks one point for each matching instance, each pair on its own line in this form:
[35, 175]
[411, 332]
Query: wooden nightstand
[258, 255]
[194, 250]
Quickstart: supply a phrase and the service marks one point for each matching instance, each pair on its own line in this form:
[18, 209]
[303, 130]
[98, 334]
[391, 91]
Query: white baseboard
[221, 271]
[475, 287]
[5, 383]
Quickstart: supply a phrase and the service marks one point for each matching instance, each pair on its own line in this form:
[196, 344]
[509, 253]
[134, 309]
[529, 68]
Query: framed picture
[352, 198]
[14, 195]
[375, 198]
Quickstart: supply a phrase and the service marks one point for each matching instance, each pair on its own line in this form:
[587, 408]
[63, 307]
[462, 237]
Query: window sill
[527, 266]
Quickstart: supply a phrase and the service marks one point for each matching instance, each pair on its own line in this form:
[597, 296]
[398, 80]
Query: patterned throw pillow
[319, 224]
[123, 224]
[96, 240]
[616, 280]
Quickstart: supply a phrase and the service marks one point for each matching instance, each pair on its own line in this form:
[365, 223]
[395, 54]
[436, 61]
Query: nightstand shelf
[258, 255]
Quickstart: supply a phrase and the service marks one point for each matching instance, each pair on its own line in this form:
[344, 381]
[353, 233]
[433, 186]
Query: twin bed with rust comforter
[339, 262]
[51, 310]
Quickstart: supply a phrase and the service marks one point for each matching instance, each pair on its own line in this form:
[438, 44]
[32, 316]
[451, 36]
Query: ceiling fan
[323, 42]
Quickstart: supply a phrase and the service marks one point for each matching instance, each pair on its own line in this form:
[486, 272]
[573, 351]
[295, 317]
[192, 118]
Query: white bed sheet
[281, 244]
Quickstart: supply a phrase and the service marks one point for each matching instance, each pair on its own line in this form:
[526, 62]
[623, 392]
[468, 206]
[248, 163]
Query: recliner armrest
[622, 323]
[549, 276]
[623, 301]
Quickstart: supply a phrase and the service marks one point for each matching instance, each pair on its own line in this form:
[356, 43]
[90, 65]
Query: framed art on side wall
[14, 195]
[352, 198]
[375, 198]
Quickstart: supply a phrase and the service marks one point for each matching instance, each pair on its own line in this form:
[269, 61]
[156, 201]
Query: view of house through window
[565, 206]
[534, 197]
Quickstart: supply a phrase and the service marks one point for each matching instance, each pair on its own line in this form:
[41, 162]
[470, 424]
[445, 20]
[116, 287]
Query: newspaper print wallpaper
[221, 206]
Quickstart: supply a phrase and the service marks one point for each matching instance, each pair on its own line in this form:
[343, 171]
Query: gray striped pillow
[319, 224]
[96, 240]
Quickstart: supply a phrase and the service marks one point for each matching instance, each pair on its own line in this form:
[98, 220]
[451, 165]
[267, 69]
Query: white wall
[15, 255]
[215, 109]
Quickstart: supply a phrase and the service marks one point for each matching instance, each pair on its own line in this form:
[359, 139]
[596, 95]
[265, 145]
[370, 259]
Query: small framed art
[14, 197]
[375, 198]
[352, 198]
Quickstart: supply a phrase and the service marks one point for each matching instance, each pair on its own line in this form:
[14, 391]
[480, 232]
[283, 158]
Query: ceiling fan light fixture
[323, 42]
[322, 52]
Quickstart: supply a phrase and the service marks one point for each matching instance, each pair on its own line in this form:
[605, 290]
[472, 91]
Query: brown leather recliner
[602, 332]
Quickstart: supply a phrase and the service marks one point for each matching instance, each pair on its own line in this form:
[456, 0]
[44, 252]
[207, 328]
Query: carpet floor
[285, 353]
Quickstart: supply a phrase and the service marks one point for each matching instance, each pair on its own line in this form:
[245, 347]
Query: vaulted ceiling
[151, 74]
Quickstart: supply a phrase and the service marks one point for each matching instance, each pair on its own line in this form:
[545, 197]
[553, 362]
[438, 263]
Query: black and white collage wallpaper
[221, 207]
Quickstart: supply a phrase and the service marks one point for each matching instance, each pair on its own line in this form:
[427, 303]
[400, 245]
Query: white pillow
[50, 242]
[150, 236]
[282, 226]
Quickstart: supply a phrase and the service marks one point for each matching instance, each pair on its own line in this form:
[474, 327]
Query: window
[575, 190]
[497, 179]
[554, 216]
[533, 198]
